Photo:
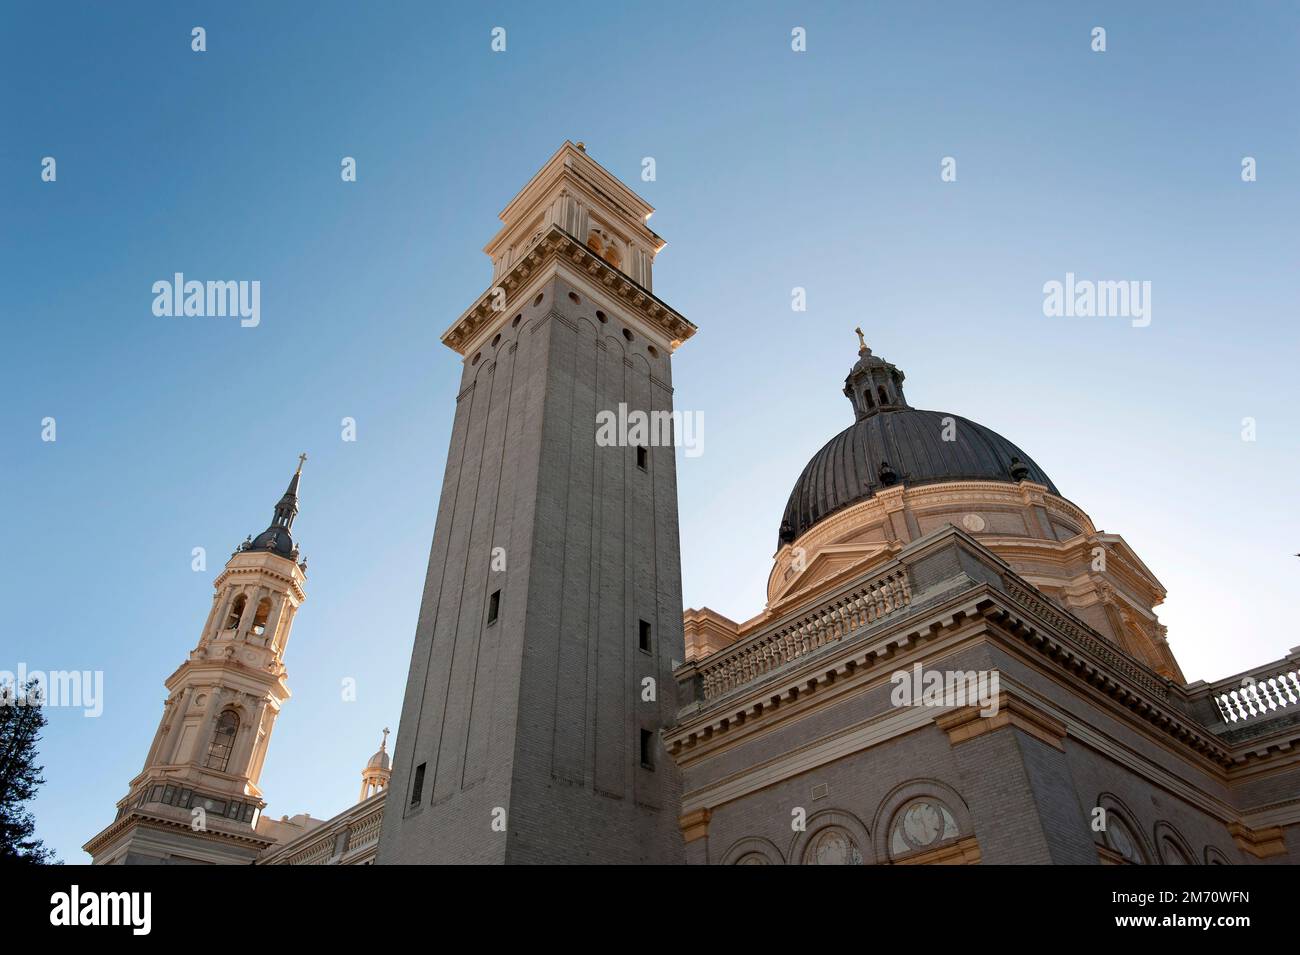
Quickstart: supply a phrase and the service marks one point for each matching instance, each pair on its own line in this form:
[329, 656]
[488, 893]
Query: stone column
[167, 753]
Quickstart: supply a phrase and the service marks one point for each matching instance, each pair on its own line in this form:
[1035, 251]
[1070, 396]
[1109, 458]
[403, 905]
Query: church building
[953, 664]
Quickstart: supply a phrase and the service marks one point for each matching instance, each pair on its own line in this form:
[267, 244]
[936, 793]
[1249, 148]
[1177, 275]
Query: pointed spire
[277, 538]
[287, 509]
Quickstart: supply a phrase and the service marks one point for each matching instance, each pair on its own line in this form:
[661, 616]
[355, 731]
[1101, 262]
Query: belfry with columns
[197, 797]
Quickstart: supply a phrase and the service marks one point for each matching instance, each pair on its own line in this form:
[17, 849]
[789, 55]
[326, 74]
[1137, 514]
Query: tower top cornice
[554, 245]
[573, 215]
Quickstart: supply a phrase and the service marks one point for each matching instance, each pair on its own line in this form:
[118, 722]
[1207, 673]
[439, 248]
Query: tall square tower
[552, 613]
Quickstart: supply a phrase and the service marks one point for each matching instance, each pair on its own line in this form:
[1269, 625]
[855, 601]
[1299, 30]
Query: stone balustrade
[1257, 698]
[349, 838]
[787, 641]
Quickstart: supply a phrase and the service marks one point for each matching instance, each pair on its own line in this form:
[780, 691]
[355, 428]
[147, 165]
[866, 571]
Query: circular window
[627, 334]
[601, 316]
[473, 361]
[515, 323]
[538, 300]
[921, 824]
[574, 299]
[496, 341]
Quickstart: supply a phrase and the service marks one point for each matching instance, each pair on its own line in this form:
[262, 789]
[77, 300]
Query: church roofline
[994, 593]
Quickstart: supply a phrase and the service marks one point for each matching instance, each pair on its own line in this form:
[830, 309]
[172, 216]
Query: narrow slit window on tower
[643, 636]
[417, 787]
[641, 457]
[494, 607]
[647, 749]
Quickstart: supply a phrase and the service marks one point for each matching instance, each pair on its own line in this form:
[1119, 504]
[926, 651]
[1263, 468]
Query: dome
[277, 540]
[380, 760]
[893, 443]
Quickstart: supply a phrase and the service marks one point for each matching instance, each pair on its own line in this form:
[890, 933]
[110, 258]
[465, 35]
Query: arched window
[832, 846]
[866, 393]
[1171, 847]
[884, 395]
[1120, 838]
[223, 740]
[236, 612]
[259, 617]
[1118, 831]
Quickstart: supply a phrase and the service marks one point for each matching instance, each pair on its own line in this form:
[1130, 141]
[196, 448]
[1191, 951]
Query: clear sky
[775, 169]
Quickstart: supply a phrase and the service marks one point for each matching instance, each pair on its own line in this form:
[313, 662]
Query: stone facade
[795, 729]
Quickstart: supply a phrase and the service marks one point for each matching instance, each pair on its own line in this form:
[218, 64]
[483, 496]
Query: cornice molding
[137, 818]
[969, 722]
[556, 245]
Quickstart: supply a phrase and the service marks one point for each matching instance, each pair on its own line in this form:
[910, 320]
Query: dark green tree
[22, 718]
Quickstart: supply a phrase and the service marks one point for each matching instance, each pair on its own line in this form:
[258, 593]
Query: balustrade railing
[764, 652]
[1258, 698]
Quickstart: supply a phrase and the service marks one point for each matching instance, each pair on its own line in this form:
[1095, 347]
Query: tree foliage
[22, 717]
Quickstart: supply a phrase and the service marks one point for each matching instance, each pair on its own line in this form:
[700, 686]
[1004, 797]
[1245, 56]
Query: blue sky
[774, 170]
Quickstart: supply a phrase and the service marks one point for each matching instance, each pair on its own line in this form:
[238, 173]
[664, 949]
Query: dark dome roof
[893, 443]
[275, 539]
[848, 467]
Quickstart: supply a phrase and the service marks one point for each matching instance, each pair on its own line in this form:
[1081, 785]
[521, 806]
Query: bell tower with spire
[197, 798]
[542, 670]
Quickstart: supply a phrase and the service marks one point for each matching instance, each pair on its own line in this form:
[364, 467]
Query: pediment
[830, 565]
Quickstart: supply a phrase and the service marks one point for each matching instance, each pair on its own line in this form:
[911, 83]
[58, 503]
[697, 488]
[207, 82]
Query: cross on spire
[301, 458]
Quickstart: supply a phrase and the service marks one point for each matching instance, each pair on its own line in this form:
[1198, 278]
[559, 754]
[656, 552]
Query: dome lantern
[873, 384]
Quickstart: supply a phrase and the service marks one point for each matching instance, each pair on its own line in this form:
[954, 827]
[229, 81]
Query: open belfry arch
[541, 674]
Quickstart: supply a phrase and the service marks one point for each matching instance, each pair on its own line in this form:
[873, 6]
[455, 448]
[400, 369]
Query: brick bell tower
[197, 798]
[552, 614]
